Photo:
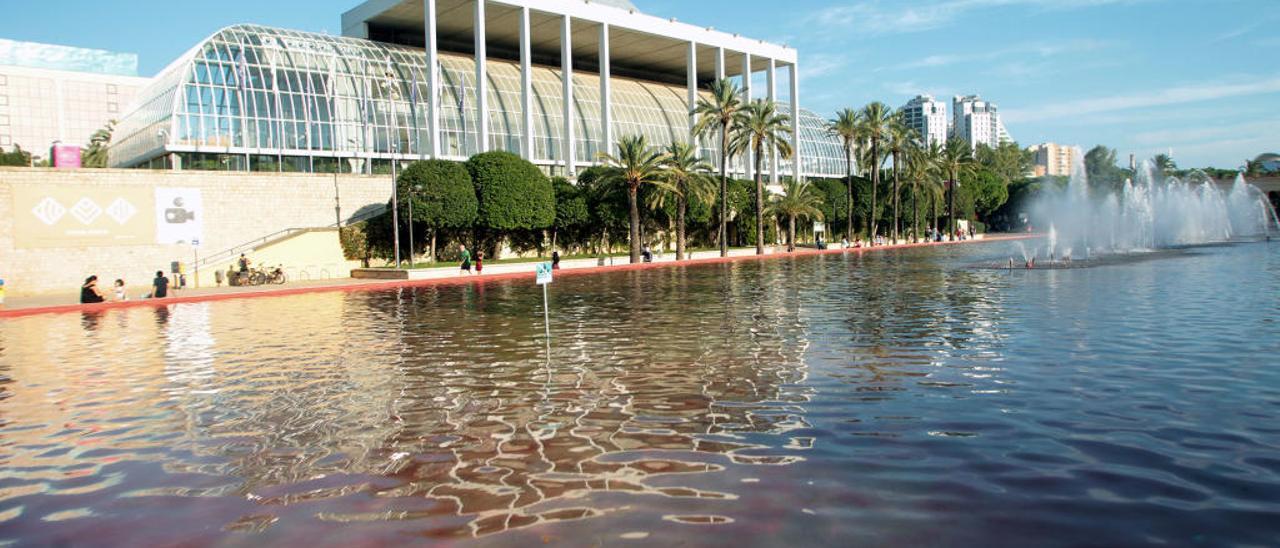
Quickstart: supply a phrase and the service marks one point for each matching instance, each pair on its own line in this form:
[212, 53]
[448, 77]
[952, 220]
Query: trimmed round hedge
[513, 193]
[444, 196]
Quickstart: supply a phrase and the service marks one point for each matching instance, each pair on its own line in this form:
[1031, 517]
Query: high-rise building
[1053, 159]
[977, 121]
[928, 117]
[51, 93]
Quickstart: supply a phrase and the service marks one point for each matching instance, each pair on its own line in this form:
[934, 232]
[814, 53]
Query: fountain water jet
[1150, 214]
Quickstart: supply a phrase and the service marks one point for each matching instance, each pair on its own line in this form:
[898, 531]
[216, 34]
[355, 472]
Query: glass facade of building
[271, 99]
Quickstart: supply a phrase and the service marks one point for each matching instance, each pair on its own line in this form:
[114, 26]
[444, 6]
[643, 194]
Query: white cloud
[879, 17]
[821, 64]
[1041, 50]
[1208, 133]
[1163, 97]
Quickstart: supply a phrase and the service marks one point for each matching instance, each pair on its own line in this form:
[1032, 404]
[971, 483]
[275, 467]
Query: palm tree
[901, 137]
[922, 174]
[799, 201]
[688, 176]
[876, 118]
[845, 126]
[956, 158]
[96, 154]
[760, 126]
[1164, 164]
[718, 112]
[635, 165]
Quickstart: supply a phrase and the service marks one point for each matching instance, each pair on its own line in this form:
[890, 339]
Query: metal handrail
[280, 234]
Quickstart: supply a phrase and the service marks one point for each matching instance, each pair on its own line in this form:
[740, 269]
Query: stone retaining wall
[237, 207]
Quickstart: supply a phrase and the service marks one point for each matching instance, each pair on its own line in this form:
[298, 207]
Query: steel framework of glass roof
[254, 96]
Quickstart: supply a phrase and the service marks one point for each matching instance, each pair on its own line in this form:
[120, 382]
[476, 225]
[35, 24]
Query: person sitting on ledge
[89, 292]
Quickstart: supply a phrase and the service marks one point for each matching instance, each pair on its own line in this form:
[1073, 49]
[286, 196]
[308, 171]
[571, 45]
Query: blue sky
[1143, 76]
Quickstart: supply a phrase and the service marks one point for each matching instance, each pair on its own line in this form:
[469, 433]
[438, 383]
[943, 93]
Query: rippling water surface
[898, 398]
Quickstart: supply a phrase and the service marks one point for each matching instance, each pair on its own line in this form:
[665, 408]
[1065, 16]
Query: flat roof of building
[639, 41]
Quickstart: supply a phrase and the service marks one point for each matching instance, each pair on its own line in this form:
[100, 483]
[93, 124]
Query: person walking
[89, 292]
[160, 285]
[466, 258]
[555, 260]
[120, 293]
[479, 262]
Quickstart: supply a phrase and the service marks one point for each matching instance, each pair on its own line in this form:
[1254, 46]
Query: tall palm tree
[876, 119]
[761, 129]
[956, 159]
[689, 177]
[845, 126]
[1165, 166]
[923, 176]
[799, 201]
[635, 165]
[718, 111]
[901, 137]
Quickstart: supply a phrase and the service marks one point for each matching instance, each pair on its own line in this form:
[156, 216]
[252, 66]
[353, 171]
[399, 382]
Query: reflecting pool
[892, 398]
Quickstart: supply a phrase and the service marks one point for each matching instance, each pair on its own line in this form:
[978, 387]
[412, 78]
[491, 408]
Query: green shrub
[513, 194]
[443, 195]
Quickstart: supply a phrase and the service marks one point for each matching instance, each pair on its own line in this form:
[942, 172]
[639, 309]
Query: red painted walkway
[463, 280]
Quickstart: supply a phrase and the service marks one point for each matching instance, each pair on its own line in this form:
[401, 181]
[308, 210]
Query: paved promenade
[443, 275]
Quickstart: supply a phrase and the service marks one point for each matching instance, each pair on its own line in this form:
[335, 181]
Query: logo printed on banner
[121, 210]
[49, 211]
[86, 211]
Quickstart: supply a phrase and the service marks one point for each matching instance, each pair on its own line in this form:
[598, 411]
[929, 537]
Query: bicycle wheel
[279, 278]
[258, 278]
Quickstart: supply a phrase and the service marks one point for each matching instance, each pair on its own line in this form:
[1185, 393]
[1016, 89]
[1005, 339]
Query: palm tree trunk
[433, 246]
[759, 201]
[848, 181]
[791, 233]
[915, 215]
[951, 206]
[724, 190]
[635, 224]
[680, 208]
[875, 189]
[896, 158]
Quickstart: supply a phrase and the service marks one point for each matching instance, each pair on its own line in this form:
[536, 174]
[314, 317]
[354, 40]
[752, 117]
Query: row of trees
[640, 188]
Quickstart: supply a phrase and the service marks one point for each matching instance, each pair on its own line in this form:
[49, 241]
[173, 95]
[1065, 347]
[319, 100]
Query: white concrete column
[771, 92]
[796, 159]
[482, 81]
[749, 158]
[606, 96]
[526, 86]
[566, 74]
[719, 63]
[433, 76]
[691, 82]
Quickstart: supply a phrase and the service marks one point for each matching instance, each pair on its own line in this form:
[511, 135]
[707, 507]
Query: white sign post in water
[544, 279]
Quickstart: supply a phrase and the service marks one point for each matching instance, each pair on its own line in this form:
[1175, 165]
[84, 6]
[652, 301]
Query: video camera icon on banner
[179, 215]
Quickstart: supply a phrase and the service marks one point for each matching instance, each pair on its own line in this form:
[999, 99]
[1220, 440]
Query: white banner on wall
[179, 215]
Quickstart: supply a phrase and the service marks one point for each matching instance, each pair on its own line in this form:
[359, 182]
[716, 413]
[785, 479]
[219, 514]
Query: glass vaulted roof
[251, 90]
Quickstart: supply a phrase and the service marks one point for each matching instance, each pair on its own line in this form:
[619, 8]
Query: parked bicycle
[260, 276]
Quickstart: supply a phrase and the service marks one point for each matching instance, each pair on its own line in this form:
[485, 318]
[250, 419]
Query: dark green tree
[442, 196]
[512, 193]
[572, 213]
